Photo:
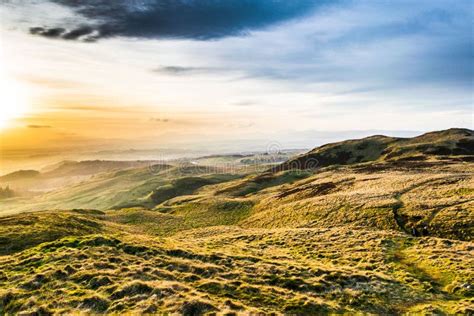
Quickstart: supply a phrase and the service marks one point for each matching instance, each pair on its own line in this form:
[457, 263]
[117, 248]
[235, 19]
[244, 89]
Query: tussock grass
[229, 269]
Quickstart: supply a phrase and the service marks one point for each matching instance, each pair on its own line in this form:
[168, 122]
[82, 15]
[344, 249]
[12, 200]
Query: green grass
[256, 183]
[145, 187]
[190, 215]
[225, 268]
[185, 186]
[27, 230]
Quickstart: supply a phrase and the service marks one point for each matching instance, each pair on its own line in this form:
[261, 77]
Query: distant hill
[89, 167]
[451, 142]
[20, 175]
[28, 183]
[68, 168]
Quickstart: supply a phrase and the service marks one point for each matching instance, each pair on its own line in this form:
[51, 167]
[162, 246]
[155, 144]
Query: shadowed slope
[452, 142]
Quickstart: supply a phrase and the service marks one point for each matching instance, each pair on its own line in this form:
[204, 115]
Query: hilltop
[20, 175]
[452, 142]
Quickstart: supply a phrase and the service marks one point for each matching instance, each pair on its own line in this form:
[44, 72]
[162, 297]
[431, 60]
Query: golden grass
[337, 241]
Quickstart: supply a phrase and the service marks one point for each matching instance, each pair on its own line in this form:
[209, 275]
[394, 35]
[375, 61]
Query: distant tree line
[6, 192]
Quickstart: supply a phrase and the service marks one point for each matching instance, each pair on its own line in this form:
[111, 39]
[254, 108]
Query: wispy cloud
[159, 120]
[181, 70]
[38, 126]
[245, 103]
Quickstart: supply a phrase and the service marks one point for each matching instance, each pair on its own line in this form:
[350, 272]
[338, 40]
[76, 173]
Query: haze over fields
[236, 157]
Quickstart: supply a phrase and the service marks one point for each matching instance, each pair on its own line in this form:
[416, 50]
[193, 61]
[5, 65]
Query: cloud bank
[192, 19]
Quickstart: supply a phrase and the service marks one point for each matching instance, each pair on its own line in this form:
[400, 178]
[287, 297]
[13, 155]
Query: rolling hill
[389, 233]
[30, 183]
[452, 142]
[20, 175]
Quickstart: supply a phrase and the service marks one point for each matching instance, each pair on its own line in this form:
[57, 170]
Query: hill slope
[391, 235]
[19, 175]
[452, 142]
[104, 266]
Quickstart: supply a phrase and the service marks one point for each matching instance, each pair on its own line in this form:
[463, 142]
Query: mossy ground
[229, 269]
[336, 241]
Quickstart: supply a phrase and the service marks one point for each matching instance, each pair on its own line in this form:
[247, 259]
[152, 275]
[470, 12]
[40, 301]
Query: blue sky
[252, 68]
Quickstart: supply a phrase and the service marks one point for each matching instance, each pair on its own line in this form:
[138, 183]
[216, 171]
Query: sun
[13, 99]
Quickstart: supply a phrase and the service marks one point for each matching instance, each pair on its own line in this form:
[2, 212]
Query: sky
[150, 73]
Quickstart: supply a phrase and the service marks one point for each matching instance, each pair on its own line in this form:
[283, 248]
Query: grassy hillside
[31, 183]
[144, 186]
[452, 142]
[91, 167]
[114, 269]
[104, 184]
[434, 199]
[20, 175]
[388, 234]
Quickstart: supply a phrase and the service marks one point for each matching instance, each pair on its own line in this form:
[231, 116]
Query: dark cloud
[76, 33]
[85, 33]
[52, 32]
[38, 126]
[195, 19]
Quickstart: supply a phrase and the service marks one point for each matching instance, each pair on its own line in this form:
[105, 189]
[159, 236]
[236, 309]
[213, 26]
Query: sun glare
[13, 99]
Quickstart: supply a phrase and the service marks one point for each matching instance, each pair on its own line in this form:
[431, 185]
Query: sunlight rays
[13, 98]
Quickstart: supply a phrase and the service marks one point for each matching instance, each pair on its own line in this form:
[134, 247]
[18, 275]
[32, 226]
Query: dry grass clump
[227, 269]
